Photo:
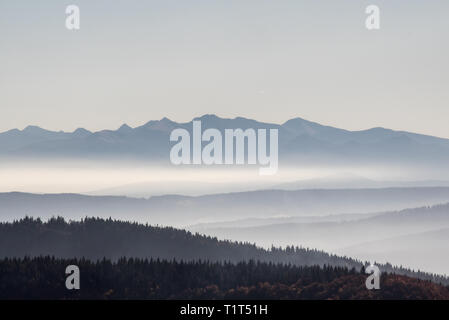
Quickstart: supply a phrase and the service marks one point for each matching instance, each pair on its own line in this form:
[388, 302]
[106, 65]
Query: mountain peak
[34, 129]
[164, 120]
[81, 132]
[124, 128]
[165, 124]
[208, 117]
[299, 121]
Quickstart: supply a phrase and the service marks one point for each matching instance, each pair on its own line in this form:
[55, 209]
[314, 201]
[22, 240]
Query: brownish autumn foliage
[347, 287]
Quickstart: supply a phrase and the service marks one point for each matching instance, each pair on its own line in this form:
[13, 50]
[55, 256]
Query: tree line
[95, 239]
[131, 278]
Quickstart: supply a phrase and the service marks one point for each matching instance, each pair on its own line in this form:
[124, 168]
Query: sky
[134, 61]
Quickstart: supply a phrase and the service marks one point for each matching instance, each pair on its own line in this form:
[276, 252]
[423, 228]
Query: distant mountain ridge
[299, 140]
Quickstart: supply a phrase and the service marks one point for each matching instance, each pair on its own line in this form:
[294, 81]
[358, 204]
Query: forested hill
[95, 239]
[44, 278]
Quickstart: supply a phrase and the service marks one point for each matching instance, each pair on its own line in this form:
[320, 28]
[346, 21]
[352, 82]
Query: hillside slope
[95, 239]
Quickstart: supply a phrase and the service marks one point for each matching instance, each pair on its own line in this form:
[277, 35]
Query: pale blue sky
[133, 61]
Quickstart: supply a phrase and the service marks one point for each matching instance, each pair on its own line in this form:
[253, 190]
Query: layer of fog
[139, 179]
[417, 238]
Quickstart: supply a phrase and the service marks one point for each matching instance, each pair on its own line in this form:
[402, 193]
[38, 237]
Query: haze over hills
[343, 180]
[415, 237]
[421, 250]
[346, 221]
[335, 231]
[347, 180]
[178, 210]
[258, 222]
[299, 140]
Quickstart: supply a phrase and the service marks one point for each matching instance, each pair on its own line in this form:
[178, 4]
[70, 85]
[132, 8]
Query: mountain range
[299, 140]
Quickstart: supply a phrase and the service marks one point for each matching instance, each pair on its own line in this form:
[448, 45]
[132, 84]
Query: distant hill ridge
[178, 210]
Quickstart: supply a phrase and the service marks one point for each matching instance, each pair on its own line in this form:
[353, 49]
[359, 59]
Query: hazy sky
[133, 61]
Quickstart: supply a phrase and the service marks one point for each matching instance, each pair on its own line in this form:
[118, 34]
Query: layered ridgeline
[95, 239]
[181, 211]
[299, 140]
[417, 237]
[44, 278]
